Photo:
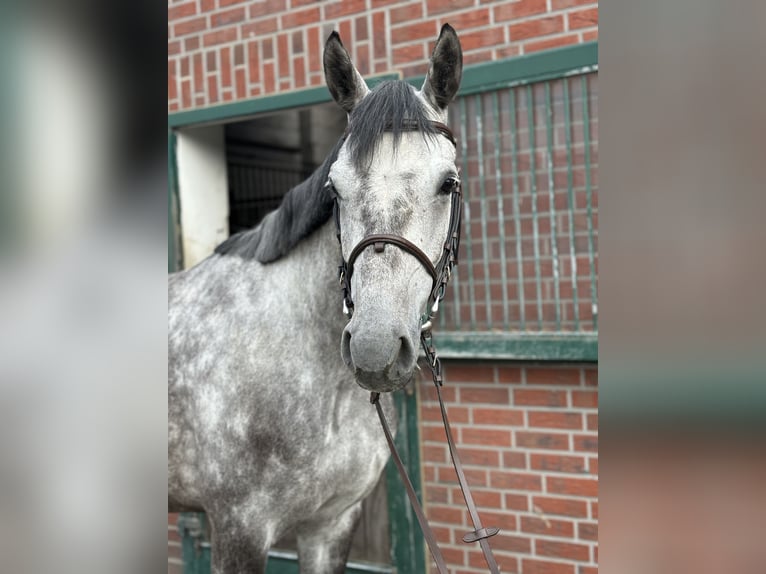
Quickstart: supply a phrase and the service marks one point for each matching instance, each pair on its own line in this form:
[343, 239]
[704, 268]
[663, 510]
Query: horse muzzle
[382, 359]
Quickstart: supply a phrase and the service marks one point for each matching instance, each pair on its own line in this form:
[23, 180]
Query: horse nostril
[406, 356]
[345, 347]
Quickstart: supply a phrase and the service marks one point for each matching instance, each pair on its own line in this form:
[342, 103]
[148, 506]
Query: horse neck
[313, 268]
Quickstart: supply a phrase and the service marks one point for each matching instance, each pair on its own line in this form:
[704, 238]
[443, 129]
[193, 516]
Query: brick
[553, 376]
[539, 398]
[174, 48]
[555, 420]
[361, 29]
[561, 507]
[410, 53]
[343, 8]
[587, 443]
[239, 55]
[268, 77]
[283, 56]
[379, 35]
[591, 376]
[212, 88]
[362, 59]
[592, 422]
[226, 67]
[253, 62]
[297, 41]
[300, 18]
[517, 502]
[207, 5]
[506, 374]
[587, 531]
[219, 37]
[172, 80]
[471, 19]
[223, 3]
[548, 527]
[530, 566]
[437, 494]
[594, 510]
[442, 6]
[479, 457]
[591, 36]
[506, 522]
[186, 94]
[475, 477]
[515, 480]
[182, 10]
[227, 17]
[542, 440]
[434, 453]
[512, 543]
[191, 43]
[583, 18]
[513, 459]
[496, 396]
[593, 466]
[314, 50]
[406, 13]
[267, 8]
[485, 437]
[568, 550]
[483, 498]
[416, 31]
[520, 9]
[536, 27]
[476, 560]
[433, 413]
[344, 29]
[438, 513]
[466, 372]
[199, 82]
[572, 486]
[482, 39]
[190, 26]
[557, 463]
[432, 434]
[586, 399]
[505, 417]
[241, 84]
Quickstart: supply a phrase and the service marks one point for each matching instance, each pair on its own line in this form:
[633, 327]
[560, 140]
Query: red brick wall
[227, 50]
[528, 438]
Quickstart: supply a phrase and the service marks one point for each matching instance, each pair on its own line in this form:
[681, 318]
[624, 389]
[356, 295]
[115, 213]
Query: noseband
[440, 272]
[440, 275]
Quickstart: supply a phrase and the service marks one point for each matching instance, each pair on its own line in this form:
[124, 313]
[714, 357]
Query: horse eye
[331, 188]
[449, 185]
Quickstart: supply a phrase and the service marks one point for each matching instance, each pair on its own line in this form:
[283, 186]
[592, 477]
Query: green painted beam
[174, 241]
[526, 69]
[242, 110]
[518, 346]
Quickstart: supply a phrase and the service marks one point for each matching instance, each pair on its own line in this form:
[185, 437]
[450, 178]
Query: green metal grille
[529, 170]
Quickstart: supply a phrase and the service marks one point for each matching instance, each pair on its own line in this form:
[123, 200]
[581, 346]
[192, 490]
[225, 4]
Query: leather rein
[440, 274]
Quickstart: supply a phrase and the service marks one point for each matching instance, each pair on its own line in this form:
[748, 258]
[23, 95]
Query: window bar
[552, 207]
[589, 198]
[484, 207]
[516, 210]
[571, 205]
[533, 190]
[500, 214]
[467, 213]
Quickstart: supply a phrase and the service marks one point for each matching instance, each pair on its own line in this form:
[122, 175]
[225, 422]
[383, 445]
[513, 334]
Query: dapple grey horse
[270, 426]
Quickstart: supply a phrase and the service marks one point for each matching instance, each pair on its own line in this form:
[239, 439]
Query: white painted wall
[202, 191]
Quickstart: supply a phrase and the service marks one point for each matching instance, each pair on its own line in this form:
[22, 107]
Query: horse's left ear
[446, 70]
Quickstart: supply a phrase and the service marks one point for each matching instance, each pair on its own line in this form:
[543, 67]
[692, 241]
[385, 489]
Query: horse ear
[446, 70]
[344, 81]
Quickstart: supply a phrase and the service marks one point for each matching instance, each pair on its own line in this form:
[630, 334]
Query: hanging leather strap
[427, 532]
[480, 533]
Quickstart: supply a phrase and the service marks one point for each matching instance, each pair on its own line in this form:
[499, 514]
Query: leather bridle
[440, 273]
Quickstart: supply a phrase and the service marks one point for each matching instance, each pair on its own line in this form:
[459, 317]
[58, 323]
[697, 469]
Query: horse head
[394, 184]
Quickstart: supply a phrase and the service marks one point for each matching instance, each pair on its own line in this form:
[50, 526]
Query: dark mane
[391, 107]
